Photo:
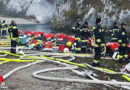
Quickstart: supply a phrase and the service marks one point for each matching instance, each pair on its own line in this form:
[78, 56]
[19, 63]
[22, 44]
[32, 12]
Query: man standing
[98, 37]
[4, 28]
[114, 30]
[13, 30]
[76, 29]
[85, 35]
[123, 41]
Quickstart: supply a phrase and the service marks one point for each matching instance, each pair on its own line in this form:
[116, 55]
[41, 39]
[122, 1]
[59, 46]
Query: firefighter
[13, 30]
[114, 30]
[98, 37]
[84, 36]
[78, 45]
[4, 28]
[77, 31]
[123, 41]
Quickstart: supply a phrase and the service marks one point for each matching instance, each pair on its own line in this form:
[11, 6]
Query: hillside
[64, 13]
[69, 11]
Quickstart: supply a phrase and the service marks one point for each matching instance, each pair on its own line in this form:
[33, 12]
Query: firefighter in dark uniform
[77, 31]
[84, 36]
[13, 30]
[123, 41]
[4, 28]
[98, 36]
[114, 30]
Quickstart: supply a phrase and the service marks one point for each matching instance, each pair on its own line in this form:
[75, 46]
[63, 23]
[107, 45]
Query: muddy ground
[23, 80]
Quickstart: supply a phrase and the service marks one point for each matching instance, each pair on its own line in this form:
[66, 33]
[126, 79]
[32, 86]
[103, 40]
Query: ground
[23, 80]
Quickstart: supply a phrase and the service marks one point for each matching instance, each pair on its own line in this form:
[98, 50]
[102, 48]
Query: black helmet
[78, 22]
[115, 23]
[3, 21]
[86, 23]
[98, 20]
[123, 24]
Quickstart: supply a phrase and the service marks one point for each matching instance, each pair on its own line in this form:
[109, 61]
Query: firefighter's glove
[102, 45]
[73, 28]
[98, 40]
[120, 41]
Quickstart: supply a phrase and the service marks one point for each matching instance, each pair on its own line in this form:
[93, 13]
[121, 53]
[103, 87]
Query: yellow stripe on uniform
[84, 40]
[96, 61]
[78, 39]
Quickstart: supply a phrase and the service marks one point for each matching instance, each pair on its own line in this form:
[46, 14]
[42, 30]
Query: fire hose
[61, 79]
[124, 75]
[36, 75]
[5, 76]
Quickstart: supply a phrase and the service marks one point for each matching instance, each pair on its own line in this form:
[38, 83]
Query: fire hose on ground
[35, 74]
[81, 65]
[61, 79]
[124, 75]
[50, 58]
